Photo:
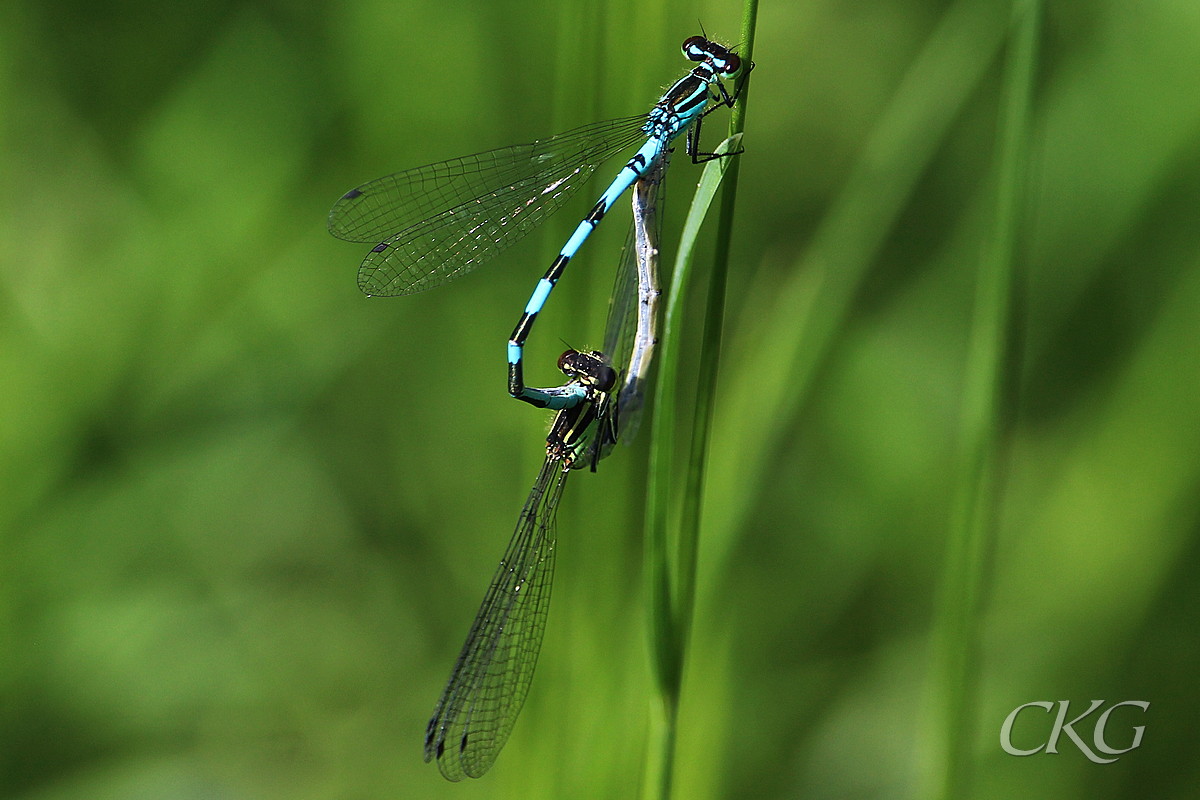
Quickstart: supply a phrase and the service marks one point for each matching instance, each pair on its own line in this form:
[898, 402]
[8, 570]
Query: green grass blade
[803, 315]
[663, 561]
[671, 555]
[982, 427]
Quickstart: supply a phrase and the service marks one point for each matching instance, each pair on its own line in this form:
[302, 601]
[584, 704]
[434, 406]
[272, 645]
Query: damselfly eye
[695, 48]
[733, 65]
[568, 362]
[605, 377]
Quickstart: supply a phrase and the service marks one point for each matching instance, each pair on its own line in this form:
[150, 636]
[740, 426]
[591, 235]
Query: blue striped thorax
[688, 97]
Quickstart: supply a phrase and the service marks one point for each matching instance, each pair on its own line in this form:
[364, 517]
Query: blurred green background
[248, 513]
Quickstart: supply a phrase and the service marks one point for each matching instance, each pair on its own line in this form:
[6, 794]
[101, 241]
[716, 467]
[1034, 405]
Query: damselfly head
[590, 367]
[725, 62]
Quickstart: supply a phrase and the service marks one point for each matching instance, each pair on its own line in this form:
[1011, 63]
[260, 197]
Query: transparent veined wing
[440, 221]
[491, 678]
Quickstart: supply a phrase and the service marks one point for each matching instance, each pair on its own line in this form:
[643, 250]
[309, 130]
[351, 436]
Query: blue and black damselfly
[437, 222]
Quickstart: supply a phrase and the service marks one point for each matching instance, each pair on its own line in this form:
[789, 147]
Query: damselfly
[488, 684]
[440, 221]
[491, 678]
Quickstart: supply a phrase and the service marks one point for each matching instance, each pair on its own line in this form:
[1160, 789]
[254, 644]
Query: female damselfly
[492, 675]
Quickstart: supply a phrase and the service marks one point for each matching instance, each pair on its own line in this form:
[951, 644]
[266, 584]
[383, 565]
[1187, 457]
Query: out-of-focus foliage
[247, 513]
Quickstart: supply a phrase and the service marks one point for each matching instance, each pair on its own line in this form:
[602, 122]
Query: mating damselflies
[440, 221]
